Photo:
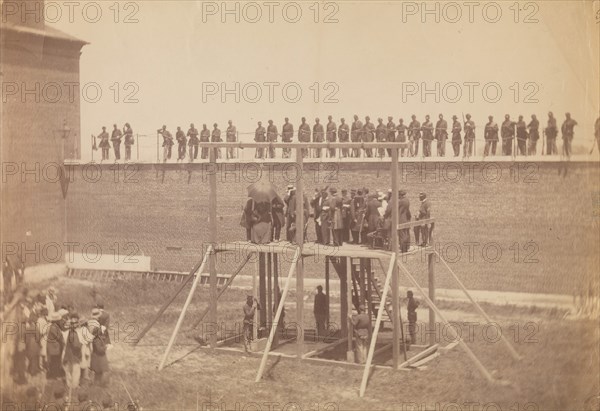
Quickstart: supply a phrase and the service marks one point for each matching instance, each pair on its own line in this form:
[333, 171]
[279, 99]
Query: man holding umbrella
[259, 217]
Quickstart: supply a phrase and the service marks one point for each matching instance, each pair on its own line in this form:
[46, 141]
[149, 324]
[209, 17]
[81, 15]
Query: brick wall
[528, 210]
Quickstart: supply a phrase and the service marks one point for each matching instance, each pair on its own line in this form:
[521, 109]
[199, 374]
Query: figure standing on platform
[414, 134]
[317, 204]
[181, 144]
[401, 137]
[193, 142]
[304, 135]
[468, 148]
[215, 137]
[427, 129]
[318, 136]
[230, 137]
[424, 214]
[129, 141]
[320, 309]
[271, 138]
[381, 136]
[116, 141]
[262, 221]
[404, 216]
[551, 133]
[567, 134]
[391, 133]
[336, 217]
[372, 214]
[287, 133]
[167, 142]
[204, 138]
[346, 200]
[522, 136]
[534, 134]
[277, 208]
[507, 132]
[249, 311]
[368, 135]
[411, 307]
[362, 329]
[456, 138]
[344, 136]
[104, 144]
[356, 135]
[490, 135]
[331, 136]
[357, 214]
[441, 135]
[259, 137]
[325, 217]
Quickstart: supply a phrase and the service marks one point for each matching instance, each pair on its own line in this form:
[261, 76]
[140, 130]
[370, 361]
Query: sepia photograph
[304, 205]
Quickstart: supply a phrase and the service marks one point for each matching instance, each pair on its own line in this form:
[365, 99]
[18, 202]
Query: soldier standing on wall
[259, 137]
[441, 135]
[344, 136]
[456, 138]
[271, 138]
[181, 143]
[216, 138]
[401, 137]
[204, 138]
[104, 144]
[469, 137]
[381, 136]
[304, 136]
[116, 140]
[167, 142]
[287, 133]
[491, 137]
[368, 135]
[567, 134]
[231, 137]
[356, 135]
[415, 134]
[427, 129]
[507, 131]
[193, 142]
[551, 133]
[522, 136]
[331, 136]
[534, 134]
[128, 132]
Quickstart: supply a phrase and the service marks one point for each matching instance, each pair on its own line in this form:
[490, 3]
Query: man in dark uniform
[116, 141]
[317, 204]
[507, 131]
[128, 133]
[456, 138]
[414, 134]
[271, 138]
[404, 216]
[277, 210]
[287, 133]
[216, 138]
[427, 129]
[491, 137]
[230, 137]
[331, 136]
[391, 133]
[372, 214]
[344, 136]
[325, 217]
[204, 138]
[318, 136]
[335, 216]
[401, 137]
[304, 136]
[568, 133]
[346, 200]
[381, 136]
[551, 133]
[193, 142]
[356, 135]
[522, 136]
[534, 134]
[411, 308]
[441, 135]
[167, 143]
[358, 208]
[320, 310]
[259, 137]
[424, 214]
[368, 135]
[104, 144]
[469, 137]
[181, 143]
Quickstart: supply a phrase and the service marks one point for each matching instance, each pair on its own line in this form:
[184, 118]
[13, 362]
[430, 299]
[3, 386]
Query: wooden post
[299, 260]
[384, 293]
[350, 352]
[254, 295]
[431, 286]
[262, 289]
[395, 280]
[344, 284]
[455, 335]
[286, 287]
[327, 287]
[369, 299]
[269, 308]
[276, 298]
[213, 226]
[207, 256]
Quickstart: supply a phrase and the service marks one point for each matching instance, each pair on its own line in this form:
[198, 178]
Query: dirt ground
[558, 371]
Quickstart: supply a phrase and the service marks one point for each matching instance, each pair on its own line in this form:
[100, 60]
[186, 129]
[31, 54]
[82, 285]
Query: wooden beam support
[431, 289]
[286, 288]
[207, 256]
[325, 348]
[350, 327]
[299, 261]
[420, 356]
[394, 248]
[213, 236]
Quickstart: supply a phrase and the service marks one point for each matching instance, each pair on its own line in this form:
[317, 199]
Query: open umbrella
[262, 191]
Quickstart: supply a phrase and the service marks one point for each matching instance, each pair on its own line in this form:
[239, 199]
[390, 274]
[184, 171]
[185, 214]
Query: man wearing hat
[181, 144]
[391, 133]
[362, 330]
[331, 135]
[271, 138]
[522, 136]
[551, 132]
[456, 139]
[318, 136]
[568, 133]
[215, 137]
[259, 137]
[55, 344]
[424, 214]
[507, 132]
[469, 137]
[230, 137]
[372, 213]
[346, 200]
[326, 215]
[381, 136]
[404, 216]
[368, 135]
[356, 135]
[304, 135]
[401, 137]
[358, 208]
[321, 312]
[344, 136]
[336, 216]
[411, 308]
[491, 137]
[427, 129]
[287, 133]
[414, 133]
[534, 134]
[441, 135]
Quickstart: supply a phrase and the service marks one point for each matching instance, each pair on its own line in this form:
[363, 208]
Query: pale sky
[374, 51]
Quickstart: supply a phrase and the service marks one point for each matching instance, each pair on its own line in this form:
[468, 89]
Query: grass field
[558, 370]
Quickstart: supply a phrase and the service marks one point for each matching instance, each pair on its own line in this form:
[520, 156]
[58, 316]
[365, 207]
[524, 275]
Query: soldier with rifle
[304, 136]
[491, 137]
[550, 133]
[287, 133]
[414, 133]
[469, 147]
[344, 136]
[456, 138]
[427, 129]
[356, 135]
[507, 131]
[331, 136]
[441, 135]
[534, 134]
[167, 142]
[522, 136]
[204, 138]
[230, 137]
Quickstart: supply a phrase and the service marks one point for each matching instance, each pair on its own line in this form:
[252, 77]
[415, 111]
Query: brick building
[40, 127]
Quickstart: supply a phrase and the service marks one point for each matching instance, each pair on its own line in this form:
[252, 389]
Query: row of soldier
[525, 135]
